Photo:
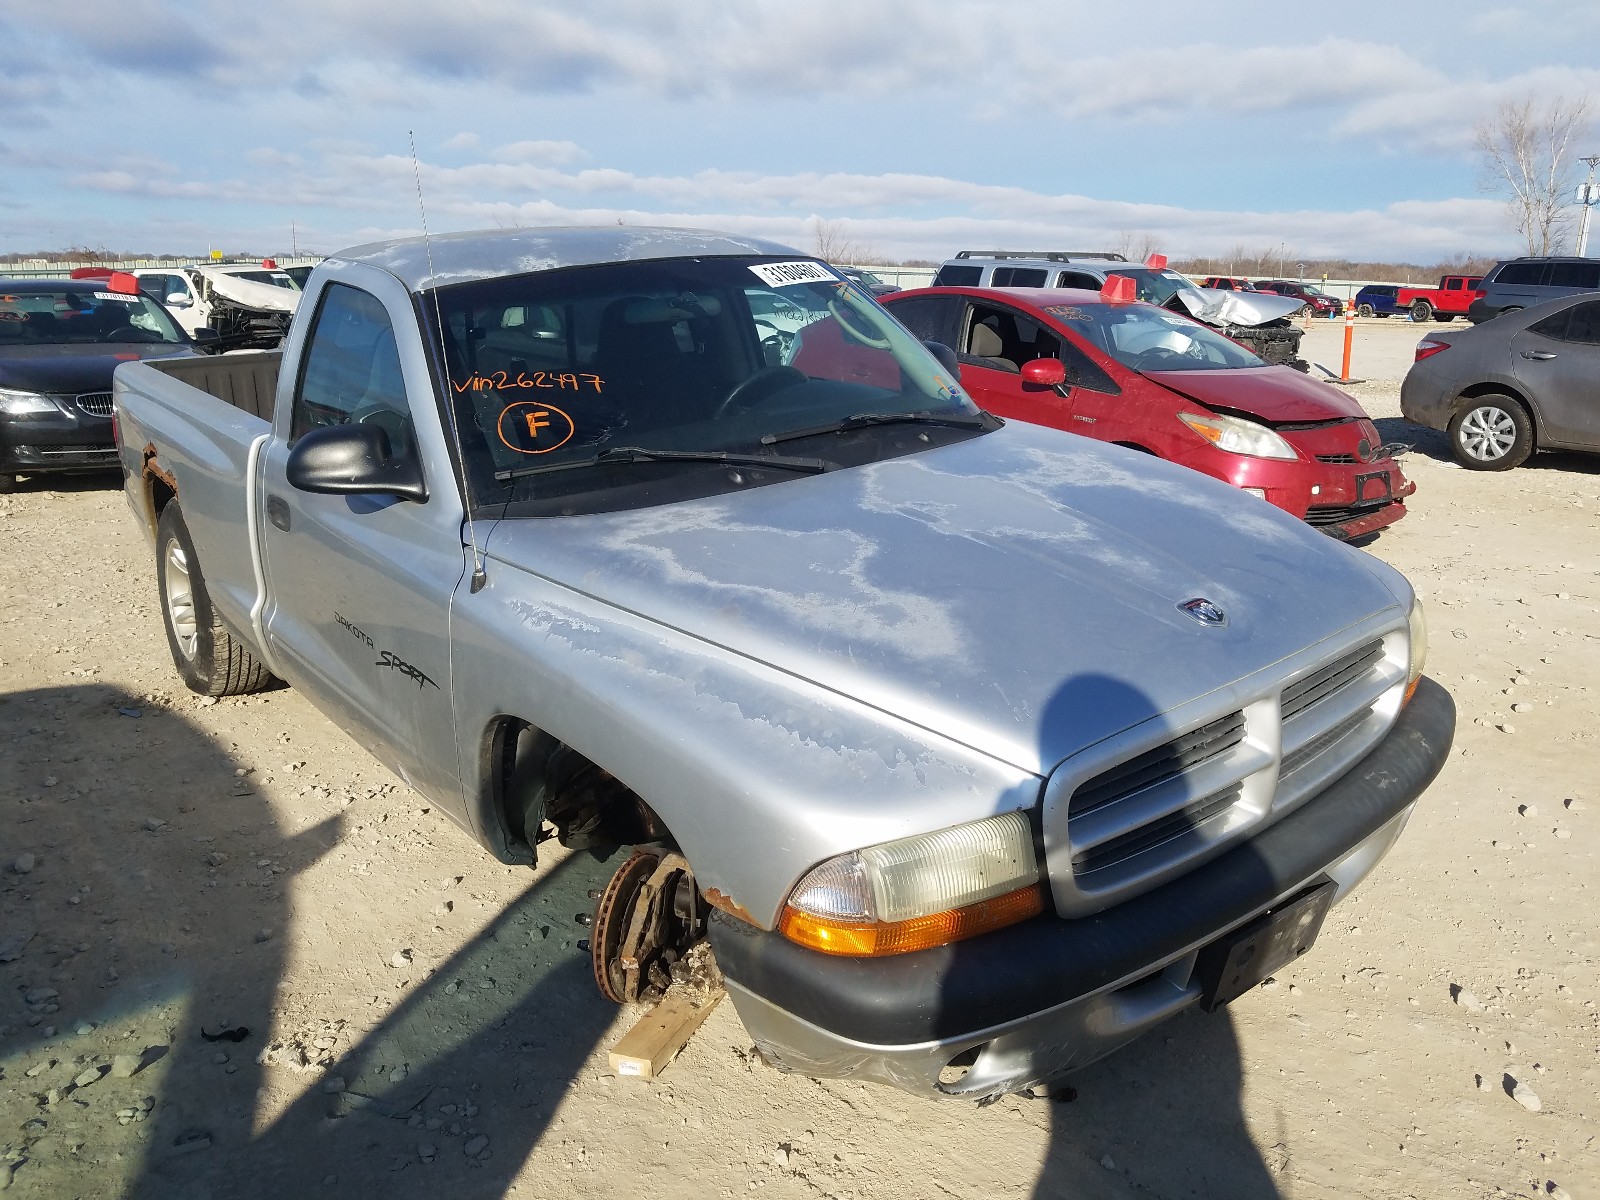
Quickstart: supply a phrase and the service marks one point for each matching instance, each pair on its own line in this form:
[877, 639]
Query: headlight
[1419, 647]
[16, 404]
[918, 892]
[1238, 436]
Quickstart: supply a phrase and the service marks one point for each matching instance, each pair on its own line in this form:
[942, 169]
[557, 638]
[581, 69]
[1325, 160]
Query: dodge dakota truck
[972, 748]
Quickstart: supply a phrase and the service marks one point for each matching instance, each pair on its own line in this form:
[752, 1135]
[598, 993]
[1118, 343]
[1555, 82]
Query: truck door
[360, 586]
[1558, 359]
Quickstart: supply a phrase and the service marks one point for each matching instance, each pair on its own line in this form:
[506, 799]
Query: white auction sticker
[779, 274]
[122, 296]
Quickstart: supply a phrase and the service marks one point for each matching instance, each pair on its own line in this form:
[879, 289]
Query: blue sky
[912, 127]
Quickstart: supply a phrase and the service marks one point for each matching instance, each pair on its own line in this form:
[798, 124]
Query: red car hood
[1275, 394]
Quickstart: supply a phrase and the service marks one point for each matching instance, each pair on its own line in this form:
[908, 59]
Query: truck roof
[489, 254]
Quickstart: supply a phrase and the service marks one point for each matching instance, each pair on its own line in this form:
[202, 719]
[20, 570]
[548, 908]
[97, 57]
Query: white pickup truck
[974, 748]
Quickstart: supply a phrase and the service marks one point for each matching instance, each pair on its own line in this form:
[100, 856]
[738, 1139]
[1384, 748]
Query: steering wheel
[749, 392]
[396, 424]
[855, 332]
[778, 341]
[121, 333]
[1158, 356]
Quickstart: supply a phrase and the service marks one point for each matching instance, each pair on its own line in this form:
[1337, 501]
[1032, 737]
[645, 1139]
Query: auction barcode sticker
[124, 297]
[779, 274]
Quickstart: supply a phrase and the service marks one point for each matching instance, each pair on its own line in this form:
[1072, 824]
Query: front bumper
[1028, 1004]
[66, 440]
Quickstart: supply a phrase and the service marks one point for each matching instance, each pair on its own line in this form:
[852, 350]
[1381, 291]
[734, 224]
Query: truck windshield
[82, 316]
[1144, 338]
[698, 357]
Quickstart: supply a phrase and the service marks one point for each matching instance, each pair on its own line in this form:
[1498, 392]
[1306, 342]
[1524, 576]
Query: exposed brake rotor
[648, 916]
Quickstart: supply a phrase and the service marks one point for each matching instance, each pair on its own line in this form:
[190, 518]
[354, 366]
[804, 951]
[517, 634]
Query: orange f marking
[537, 420]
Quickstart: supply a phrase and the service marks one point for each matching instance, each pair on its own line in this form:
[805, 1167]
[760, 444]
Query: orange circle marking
[535, 423]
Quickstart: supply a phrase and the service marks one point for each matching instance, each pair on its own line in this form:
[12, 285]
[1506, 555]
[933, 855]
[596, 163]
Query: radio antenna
[479, 576]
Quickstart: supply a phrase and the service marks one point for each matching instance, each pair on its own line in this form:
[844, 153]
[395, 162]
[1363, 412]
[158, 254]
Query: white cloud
[543, 153]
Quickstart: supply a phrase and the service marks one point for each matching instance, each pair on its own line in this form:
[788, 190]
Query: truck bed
[190, 423]
[246, 381]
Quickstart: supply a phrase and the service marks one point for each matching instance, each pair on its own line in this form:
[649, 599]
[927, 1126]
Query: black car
[1517, 283]
[60, 340]
[867, 280]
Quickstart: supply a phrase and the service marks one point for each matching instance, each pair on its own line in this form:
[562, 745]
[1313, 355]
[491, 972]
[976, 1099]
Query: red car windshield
[1144, 338]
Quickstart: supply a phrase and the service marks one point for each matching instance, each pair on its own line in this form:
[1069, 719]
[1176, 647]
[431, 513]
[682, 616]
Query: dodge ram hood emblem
[1204, 611]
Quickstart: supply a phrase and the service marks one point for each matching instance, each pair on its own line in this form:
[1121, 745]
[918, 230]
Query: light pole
[1588, 195]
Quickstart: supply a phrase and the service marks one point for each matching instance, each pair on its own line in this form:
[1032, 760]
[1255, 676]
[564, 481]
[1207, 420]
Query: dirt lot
[237, 959]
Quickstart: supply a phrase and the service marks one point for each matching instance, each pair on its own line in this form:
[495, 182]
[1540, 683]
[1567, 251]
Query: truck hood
[1275, 394]
[69, 369]
[1018, 592]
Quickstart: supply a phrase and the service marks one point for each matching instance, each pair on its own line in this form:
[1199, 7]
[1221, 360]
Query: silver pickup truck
[974, 749]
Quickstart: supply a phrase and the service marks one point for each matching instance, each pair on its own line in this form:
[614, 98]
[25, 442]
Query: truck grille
[1147, 806]
[96, 404]
[1165, 761]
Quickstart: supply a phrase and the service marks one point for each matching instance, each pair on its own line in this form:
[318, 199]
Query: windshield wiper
[859, 420]
[633, 454]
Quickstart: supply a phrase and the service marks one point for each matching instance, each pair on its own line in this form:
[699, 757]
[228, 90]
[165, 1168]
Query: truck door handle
[1539, 355]
[278, 512]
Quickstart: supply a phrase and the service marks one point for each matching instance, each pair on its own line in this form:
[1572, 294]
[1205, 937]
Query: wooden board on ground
[656, 1037]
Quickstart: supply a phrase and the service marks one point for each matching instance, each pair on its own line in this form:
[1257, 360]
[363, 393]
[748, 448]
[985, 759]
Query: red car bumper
[1329, 486]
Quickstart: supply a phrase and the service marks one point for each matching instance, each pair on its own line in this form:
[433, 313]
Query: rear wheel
[1365, 310]
[1491, 433]
[1421, 310]
[209, 658]
[1444, 318]
[8, 483]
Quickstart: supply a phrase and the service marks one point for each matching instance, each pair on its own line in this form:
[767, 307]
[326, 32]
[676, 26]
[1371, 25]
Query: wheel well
[535, 779]
[1479, 390]
[160, 495]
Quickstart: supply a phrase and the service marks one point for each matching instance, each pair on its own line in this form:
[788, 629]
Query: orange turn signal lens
[880, 938]
[1411, 690]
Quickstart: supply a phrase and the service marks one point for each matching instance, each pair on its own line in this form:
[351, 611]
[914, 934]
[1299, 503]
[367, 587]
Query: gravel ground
[237, 959]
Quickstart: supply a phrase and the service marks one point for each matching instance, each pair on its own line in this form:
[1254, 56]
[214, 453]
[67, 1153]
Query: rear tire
[1491, 433]
[1421, 310]
[8, 484]
[1444, 318]
[209, 659]
[1365, 310]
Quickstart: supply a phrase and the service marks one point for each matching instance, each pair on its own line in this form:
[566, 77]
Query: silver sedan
[1526, 381]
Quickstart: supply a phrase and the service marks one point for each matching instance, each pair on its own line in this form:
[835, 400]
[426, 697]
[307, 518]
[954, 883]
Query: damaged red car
[1109, 367]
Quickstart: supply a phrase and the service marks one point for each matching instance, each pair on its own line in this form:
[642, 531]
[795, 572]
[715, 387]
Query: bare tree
[834, 246]
[1525, 158]
[1137, 247]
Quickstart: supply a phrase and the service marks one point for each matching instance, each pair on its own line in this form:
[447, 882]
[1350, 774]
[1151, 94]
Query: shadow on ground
[156, 911]
[1432, 443]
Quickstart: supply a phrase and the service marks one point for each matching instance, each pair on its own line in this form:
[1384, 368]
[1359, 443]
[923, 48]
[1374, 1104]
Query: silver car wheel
[180, 599]
[1488, 433]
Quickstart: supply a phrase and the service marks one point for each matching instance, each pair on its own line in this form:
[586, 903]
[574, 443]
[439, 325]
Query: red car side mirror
[1046, 372]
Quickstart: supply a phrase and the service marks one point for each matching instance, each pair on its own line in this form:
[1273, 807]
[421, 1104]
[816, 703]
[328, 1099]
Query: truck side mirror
[205, 336]
[343, 460]
[178, 300]
[1044, 372]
